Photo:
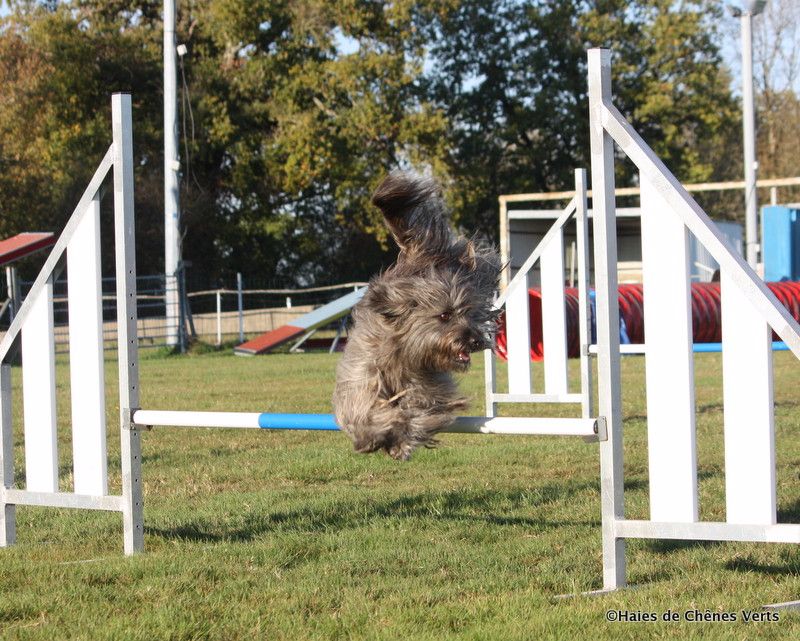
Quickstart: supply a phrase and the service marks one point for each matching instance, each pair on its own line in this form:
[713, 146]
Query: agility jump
[750, 312]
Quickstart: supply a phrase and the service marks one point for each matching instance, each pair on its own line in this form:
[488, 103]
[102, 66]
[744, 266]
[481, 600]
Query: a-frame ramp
[24, 244]
[301, 325]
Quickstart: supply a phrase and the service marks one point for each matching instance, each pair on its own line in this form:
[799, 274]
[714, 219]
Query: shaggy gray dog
[417, 323]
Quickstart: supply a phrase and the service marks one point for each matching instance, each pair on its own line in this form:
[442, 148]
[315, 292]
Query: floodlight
[751, 8]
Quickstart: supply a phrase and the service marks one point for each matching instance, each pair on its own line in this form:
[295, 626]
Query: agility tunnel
[706, 316]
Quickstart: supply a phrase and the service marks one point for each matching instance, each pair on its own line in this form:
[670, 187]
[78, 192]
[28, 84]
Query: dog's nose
[475, 344]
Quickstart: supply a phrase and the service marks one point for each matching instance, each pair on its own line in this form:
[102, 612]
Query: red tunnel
[706, 314]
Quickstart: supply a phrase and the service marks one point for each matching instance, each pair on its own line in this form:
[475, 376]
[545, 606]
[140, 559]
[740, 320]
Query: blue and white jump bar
[588, 428]
[640, 348]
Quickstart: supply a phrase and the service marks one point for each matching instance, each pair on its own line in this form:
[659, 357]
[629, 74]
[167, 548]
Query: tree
[299, 132]
[56, 79]
[776, 54]
[511, 77]
[286, 137]
[294, 110]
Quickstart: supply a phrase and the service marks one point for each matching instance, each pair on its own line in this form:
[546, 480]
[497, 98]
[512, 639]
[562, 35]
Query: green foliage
[294, 134]
[295, 110]
[58, 68]
[511, 77]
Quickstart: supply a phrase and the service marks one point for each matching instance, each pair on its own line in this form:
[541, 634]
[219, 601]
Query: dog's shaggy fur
[417, 323]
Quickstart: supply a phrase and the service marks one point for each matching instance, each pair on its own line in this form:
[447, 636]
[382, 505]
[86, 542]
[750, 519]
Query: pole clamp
[128, 422]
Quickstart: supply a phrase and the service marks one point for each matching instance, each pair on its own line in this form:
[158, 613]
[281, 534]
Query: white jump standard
[750, 312]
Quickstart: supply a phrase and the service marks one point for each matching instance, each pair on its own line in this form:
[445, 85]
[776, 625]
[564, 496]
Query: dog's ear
[392, 301]
[468, 257]
[413, 208]
[481, 258]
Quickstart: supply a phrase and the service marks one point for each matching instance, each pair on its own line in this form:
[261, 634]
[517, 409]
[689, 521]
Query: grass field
[265, 535]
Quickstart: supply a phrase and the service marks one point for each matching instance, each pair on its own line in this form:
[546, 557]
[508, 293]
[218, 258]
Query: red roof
[24, 244]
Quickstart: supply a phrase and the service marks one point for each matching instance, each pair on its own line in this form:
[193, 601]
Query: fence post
[240, 305]
[14, 294]
[181, 285]
[219, 318]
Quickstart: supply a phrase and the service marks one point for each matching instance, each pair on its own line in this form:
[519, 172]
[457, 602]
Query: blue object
[297, 422]
[780, 237]
[777, 346]
[624, 339]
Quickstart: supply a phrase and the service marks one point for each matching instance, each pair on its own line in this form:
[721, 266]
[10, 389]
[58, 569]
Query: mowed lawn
[290, 535]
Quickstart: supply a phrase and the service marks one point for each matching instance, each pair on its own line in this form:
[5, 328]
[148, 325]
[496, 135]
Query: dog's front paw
[401, 451]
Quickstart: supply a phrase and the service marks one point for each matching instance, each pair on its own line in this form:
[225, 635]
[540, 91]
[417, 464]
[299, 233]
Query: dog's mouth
[463, 357]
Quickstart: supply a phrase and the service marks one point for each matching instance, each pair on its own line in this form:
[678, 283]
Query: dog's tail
[414, 210]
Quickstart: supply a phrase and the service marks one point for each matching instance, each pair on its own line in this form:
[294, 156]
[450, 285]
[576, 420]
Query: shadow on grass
[748, 565]
[790, 514]
[666, 546]
[455, 505]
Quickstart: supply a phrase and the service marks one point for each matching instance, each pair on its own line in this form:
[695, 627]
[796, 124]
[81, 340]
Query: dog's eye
[445, 316]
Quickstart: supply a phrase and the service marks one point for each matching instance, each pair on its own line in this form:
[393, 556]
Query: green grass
[275, 535]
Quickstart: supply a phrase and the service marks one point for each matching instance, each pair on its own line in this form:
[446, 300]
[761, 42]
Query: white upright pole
[128, 361]
[219, 318]
[608, 358]
[752, 8]
[239, 300]
[172, 250]
[748, 120]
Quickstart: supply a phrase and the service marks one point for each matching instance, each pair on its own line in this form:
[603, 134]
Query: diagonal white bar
[55, 254]
[698, 222]
[750, 495]
[39, 393]
[87, 380]
[536, 254]
[669, 366]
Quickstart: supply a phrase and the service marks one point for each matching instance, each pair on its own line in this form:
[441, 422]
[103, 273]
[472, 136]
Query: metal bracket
[128, 422]
[601, 429]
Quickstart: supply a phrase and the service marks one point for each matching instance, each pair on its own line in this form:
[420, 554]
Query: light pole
[172, 249]
[752, 8]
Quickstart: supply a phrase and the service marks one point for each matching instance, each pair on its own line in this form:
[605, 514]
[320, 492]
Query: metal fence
[214, 316]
